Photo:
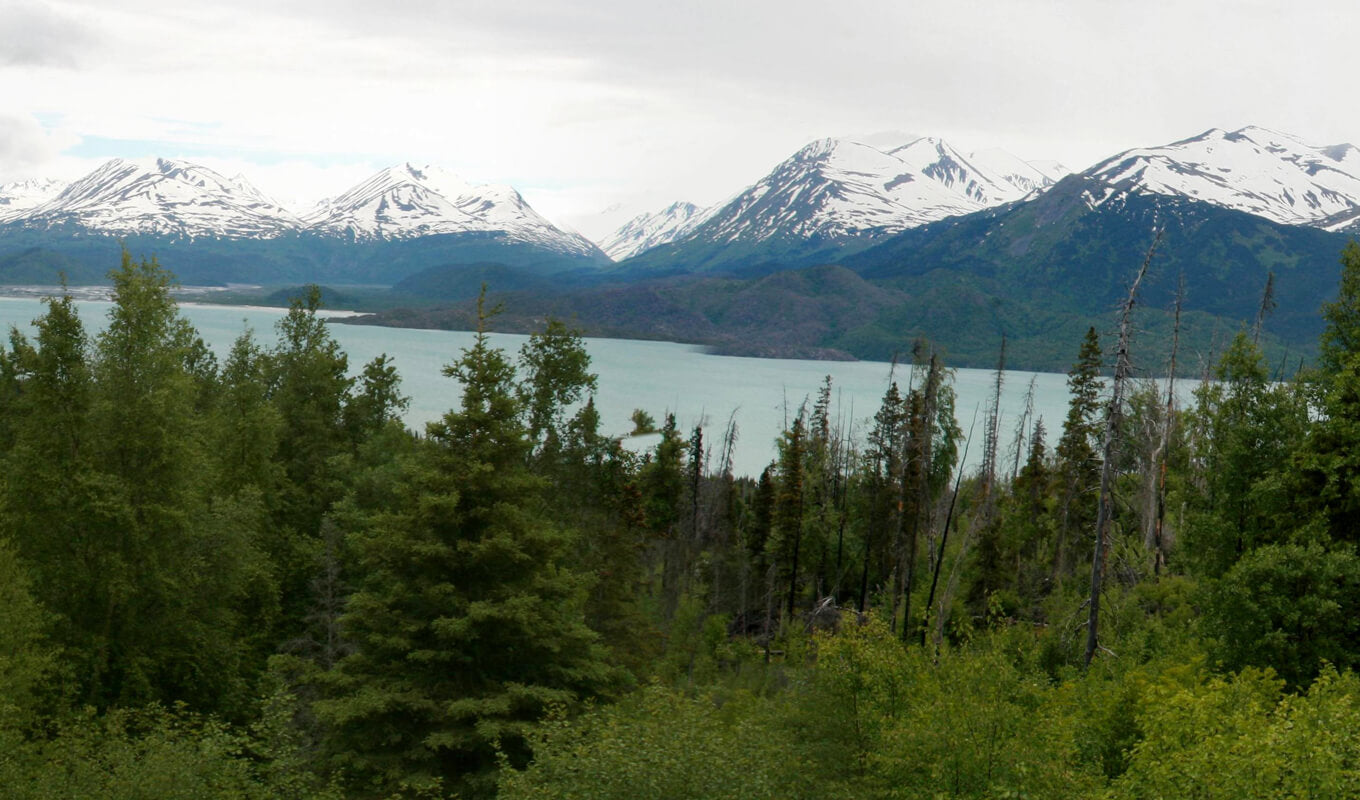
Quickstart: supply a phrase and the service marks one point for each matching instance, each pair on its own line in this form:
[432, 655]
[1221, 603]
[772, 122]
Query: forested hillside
[246, 579]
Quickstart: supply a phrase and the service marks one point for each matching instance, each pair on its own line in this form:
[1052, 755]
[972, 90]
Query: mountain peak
[844, 192]
[887, 141]
[180, 199]
[407, 201]
[162, 196]
[18, 197]
[649, 230]
[1253, 169]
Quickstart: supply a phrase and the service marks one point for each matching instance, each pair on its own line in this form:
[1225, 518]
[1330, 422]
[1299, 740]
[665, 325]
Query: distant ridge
[215, 229]
[1263, 172]
[840, 193]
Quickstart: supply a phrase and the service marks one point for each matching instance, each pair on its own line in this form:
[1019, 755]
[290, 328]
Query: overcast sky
[587, 105]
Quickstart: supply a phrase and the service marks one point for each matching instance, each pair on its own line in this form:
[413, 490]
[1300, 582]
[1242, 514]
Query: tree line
[246, 578]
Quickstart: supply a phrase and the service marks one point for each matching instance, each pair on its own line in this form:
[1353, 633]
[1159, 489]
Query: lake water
[659, 377]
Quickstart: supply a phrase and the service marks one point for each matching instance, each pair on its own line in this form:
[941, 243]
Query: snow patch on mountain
[19, 196]
[408, 201]
[165, 197]
[834, 188]
[646, 231]
[1259, 171]
[175, 198]
[1023, 176]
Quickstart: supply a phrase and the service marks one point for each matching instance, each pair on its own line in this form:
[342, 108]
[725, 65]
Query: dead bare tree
[1022, 430]
[1268, 304]
[1123, 368]
[944, 532]
[1156, 538]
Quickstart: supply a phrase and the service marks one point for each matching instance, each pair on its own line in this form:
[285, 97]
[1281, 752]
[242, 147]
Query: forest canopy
[246, 578]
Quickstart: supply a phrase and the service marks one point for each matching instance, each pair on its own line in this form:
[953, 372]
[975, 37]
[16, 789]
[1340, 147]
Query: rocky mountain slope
[1272, 175]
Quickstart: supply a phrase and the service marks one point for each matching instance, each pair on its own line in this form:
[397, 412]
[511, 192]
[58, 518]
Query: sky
[600, 110]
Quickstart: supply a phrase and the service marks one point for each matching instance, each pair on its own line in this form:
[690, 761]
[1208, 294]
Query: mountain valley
[844, 250]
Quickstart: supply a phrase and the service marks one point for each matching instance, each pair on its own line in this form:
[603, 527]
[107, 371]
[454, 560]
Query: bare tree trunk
[1022, 429]
[1158, 530]
[1122, 368]
[1267, 305]
[944, 534]
[992, 432]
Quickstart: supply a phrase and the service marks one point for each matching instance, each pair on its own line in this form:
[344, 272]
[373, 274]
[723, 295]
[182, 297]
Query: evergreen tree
[1246, 428]
[557, 375]
[26, 655]
[467, 621]
[757, 537]
[309, 387]
[1325, 473]
[787, 529]
[1028, 519]
[108, 499]
[245, 436]
[882, 475]
[377, 403]
[1078, 464]
[1341, 338]
[50, 492]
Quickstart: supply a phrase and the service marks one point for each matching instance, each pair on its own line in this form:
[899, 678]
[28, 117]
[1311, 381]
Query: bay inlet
[759, 395]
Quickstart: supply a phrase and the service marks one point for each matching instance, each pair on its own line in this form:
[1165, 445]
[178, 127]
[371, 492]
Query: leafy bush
[1241, 737]
[658, 743]
[1288, 607]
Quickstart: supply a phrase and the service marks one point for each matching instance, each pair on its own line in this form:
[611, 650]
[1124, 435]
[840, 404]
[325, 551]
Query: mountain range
[835, 194]
[217, 229]
[837, 197]
[960, 247]
[1261, 172]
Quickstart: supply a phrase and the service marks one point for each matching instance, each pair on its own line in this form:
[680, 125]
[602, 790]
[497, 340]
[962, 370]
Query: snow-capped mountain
[935, 158]
[164, 197]
[406, 201]
[1259, 171]
[646, 231]
[1024, 176]
[20, 196]
[835, 188]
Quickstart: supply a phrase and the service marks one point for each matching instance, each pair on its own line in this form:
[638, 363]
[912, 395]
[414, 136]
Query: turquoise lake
[659, 377]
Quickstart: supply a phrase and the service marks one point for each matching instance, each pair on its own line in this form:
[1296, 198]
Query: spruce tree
[309, 388]
[787, 528]
[245, 435]
[1246, 428]
[108, 499]
[467, 621]
[1341, 338]
[1078, 464]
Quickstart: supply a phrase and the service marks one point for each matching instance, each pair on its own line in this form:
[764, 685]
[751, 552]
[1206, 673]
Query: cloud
[38, 35]
[586, 101]
[26, 148]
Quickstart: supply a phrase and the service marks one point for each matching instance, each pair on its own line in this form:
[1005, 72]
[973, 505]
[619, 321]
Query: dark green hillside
[831, 312]
[330, 298]
[31, 256]
[39, 265]
[797, 313]
[1059, 252]
[1038, 272]
[465, 281]
[744, 259]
